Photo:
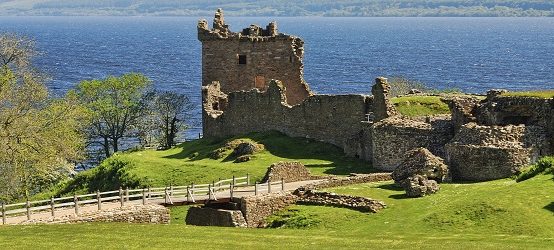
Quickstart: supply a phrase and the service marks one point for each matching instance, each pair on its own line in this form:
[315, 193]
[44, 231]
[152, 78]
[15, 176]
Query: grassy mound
[538, 93]
[420, 105]
[501, 214]
[206, 160]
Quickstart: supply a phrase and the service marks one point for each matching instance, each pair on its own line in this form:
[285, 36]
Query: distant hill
[280, 7]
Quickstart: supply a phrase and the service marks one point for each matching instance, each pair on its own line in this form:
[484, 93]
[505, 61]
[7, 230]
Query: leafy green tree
[163, 117]
[39, 136]
[114, 105]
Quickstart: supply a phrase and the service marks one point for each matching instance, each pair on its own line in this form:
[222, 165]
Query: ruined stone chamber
[480, 153]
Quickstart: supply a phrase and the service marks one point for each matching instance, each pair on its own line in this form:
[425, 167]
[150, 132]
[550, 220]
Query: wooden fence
[165, 194]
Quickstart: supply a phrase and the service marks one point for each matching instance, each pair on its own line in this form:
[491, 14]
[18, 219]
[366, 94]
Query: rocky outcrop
[205, 216]
[154, 214]
[287, 171]
[311, 197]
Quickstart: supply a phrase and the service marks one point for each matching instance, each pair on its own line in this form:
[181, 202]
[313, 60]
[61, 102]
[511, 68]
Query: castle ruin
[253, 82]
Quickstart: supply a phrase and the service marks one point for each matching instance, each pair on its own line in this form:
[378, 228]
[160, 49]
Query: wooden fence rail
[167, 194]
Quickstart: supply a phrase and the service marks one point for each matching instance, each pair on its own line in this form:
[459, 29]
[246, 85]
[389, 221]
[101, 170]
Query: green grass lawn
[499, 214]
[190, 162]
[538, 93]
[420, 105]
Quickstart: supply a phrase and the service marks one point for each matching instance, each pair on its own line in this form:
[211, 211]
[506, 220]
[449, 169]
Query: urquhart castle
[253, 82]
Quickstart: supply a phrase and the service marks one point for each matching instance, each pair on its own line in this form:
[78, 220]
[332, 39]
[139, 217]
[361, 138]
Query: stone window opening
[242, 59]
[215, 106]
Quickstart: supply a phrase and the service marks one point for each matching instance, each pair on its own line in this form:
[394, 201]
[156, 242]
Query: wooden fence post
[192, 187]
[121, 197]
[165, 190]
[144, 196]
[188, 194]
[127, 194]
[149, 194]
[282, 184]
[269, 186]
[230, 192]
[234, 181]
[209, 192]
[76, 202]
[28, 205]
[99, 200]
[256, 188]
[247, 179]
[52, 206]
[170, 190]
[3, 213]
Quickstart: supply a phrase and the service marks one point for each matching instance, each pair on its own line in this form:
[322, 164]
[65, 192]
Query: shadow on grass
[280, 145]
[550, 207]
[391, 186]
[399, 196]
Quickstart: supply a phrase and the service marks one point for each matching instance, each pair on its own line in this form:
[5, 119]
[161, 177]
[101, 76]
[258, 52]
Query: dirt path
[90, 208]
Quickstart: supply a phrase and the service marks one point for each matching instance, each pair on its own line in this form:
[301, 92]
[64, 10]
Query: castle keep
[251, 58]
[253, 82]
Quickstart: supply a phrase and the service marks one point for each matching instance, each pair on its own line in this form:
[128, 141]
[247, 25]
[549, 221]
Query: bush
[112, 174]
[543, 166]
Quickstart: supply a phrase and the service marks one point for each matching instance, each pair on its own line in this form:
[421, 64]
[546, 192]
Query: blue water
[343, 55]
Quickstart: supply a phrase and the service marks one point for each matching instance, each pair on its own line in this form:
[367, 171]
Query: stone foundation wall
[395, 136]
[363, 204]
[287, 171]
[205, 216]
[257, 208]
[155, 214]
[334, 181]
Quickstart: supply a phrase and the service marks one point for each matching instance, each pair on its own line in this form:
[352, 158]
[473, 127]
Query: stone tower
[252, 58]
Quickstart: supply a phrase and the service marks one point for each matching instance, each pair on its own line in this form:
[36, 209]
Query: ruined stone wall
[310, 197]
[330, 118]
[251, 58]
[257, 208]
[479, 153]
[155, 214]
[334, 181]
[205, 216]
[395, 136]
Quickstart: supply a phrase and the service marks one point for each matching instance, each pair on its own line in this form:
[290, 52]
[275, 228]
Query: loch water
[342, 55]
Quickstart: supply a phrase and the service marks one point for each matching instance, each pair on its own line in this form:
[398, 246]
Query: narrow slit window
[242, 59]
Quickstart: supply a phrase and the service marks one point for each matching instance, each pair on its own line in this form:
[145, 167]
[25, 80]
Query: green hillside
[193, 162]
[281, 7]
[499, 214]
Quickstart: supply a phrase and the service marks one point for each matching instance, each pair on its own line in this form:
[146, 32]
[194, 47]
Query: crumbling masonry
[253, 82]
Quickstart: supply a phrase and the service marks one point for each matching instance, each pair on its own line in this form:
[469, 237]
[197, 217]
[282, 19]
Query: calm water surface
[343, 55]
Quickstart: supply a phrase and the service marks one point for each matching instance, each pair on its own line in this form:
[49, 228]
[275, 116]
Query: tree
[114, 105]
[163, 117]
[39, 136]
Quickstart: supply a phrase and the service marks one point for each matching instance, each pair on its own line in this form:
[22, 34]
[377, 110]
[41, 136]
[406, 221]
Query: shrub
[543, 166]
